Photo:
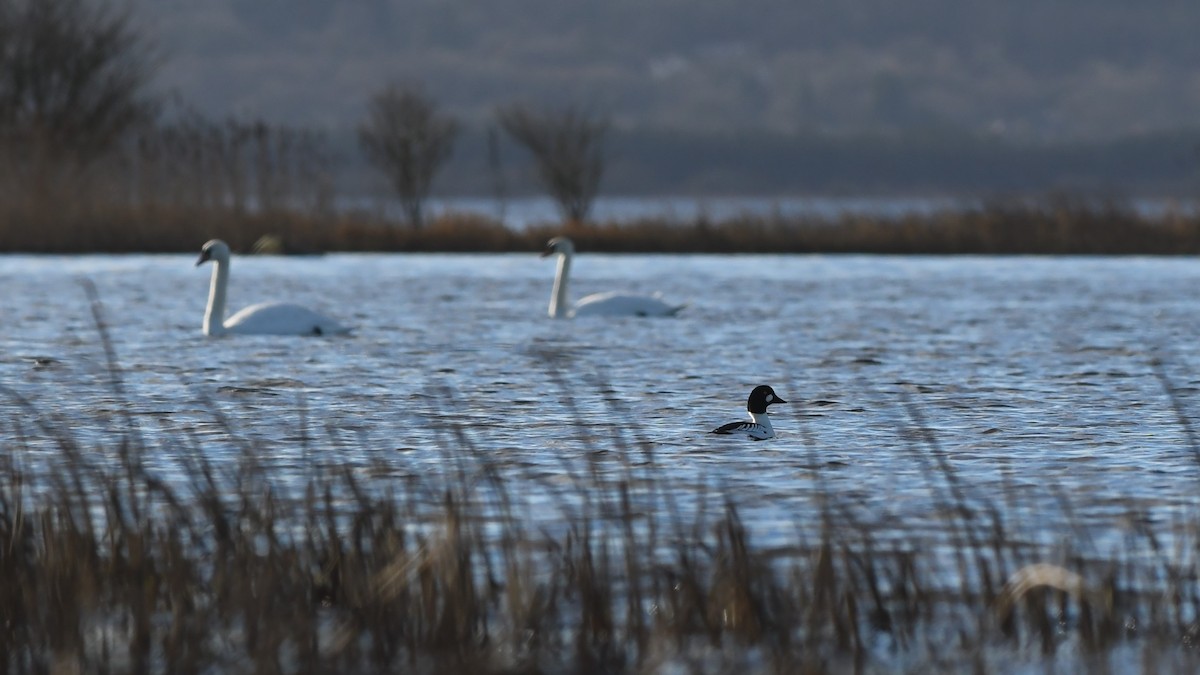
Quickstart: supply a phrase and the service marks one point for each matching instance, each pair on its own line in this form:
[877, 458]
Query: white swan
[597, 304]
[267, 318]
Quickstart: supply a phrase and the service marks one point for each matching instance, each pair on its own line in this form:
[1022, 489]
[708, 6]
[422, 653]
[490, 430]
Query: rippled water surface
[1033, 381]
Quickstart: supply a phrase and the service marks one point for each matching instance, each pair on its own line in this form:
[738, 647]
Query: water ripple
[1028, 383]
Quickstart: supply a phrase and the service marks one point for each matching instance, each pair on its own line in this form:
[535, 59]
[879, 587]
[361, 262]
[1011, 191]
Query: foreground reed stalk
[111, 569]
[108, 567]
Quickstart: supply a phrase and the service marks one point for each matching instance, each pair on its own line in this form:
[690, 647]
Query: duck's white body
[267, 318]
[598, 304]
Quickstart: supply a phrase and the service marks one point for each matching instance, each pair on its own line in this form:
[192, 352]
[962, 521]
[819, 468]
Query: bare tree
[406, 137]
[73, 75]
[496, 168]
[568, 148]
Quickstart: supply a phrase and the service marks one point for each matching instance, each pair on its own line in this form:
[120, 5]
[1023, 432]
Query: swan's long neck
[764, 420]
[214, 314]
[558, 298]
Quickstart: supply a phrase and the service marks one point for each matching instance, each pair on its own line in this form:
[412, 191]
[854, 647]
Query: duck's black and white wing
[753, 430]
[732, 428]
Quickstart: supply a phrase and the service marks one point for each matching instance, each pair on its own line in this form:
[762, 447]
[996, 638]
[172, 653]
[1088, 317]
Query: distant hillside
[655, 162]
[1023, 69]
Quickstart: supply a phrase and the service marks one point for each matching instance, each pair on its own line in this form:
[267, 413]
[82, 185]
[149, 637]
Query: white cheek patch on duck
[770, 398]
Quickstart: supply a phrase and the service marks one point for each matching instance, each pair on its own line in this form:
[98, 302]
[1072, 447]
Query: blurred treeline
[1023, 69]
[90, 160]
[93, 161]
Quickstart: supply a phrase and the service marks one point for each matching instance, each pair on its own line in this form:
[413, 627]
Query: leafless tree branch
[72, 78]
[407, 138]
[568, 148]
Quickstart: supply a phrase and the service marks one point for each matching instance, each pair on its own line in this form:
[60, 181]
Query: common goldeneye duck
[759, 427]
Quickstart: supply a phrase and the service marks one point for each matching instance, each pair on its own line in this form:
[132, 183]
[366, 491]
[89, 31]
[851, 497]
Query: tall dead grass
[995, 230]
[110, 567]
[83, 226]
[189, 179]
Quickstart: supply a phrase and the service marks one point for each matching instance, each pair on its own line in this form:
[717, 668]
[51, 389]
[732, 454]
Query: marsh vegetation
[111, 566]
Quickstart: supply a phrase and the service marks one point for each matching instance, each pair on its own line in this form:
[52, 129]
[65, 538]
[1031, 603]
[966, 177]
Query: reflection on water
[1032, 380]
[522, 212]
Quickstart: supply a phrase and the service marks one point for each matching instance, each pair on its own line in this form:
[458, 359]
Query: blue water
[1031, 380]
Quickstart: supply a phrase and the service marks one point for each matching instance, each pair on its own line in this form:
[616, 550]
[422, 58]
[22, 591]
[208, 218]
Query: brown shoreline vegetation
[93, 161]
[107, 567]
[1061, 227]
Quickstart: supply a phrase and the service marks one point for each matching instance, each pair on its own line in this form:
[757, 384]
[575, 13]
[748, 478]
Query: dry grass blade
[114, 568]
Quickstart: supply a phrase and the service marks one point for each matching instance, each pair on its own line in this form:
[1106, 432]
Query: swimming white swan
[267, 318]
[759, 427]
[597, 304]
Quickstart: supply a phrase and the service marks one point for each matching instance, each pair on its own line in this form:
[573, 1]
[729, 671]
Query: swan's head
[761, 397]
[558, 245]
[214, 249]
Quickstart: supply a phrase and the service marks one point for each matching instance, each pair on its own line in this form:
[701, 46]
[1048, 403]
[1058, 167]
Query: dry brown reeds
[84, 218]
[1055, 226]
[186, 179]
[110, 567]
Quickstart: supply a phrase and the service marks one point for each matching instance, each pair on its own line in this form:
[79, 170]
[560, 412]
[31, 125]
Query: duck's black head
[761, 397]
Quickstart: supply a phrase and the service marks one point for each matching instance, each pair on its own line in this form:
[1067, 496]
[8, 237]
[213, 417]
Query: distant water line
[522, 212]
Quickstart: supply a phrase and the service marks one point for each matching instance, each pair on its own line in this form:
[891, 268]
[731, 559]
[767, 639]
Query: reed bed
[191, 179]
[995, 229]
[111, 567]
[185, 178]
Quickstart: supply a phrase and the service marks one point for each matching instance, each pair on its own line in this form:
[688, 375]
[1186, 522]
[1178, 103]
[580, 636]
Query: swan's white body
[597, 304]
[267, 318]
